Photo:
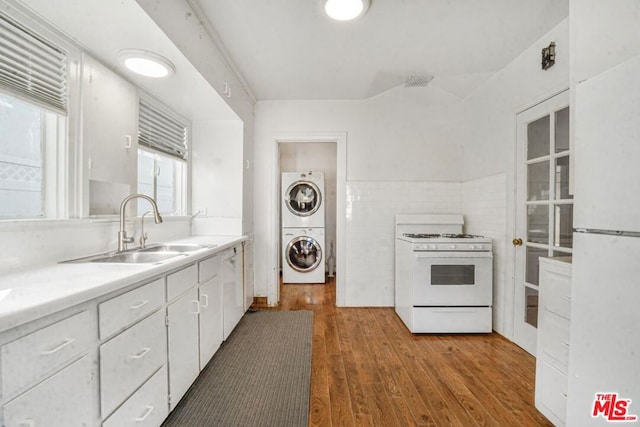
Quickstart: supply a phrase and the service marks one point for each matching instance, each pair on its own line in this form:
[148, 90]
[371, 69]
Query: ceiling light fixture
[345, 10]
[146, 63]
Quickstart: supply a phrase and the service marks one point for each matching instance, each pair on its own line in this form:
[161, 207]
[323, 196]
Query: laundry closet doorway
[320, 158]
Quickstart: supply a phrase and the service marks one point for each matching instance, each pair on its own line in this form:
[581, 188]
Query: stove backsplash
[371, 209]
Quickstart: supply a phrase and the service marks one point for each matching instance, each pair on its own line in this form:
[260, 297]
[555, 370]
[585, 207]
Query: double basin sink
[149, 255]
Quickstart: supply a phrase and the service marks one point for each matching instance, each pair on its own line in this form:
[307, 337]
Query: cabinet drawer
[130, 358]
[31, 357]
[553, 338]
[148, 406]
[180, 281]
[209, 268]
[65, 399]
[551, 389]
[556, 293]
[123, 310]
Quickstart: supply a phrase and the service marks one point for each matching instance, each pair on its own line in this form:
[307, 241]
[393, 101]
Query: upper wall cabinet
[109, 135]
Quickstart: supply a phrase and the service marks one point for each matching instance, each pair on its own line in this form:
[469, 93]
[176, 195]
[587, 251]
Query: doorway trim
[340, 139]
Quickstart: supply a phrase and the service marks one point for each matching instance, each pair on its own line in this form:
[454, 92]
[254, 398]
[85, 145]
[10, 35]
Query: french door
[544, 210]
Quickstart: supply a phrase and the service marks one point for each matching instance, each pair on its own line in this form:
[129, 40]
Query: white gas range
[444, 279]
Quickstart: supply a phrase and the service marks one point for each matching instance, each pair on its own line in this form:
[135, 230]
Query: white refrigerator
[604, 354]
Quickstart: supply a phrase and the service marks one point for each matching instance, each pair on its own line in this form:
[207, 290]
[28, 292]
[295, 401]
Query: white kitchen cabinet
[553, 338]
[210, 297]
[32, 357]
[130, 358]
[107, 95]
[232, 289]
[147, 407]
[110, 145]
[64, 399]
[121, 311]
[183, 336]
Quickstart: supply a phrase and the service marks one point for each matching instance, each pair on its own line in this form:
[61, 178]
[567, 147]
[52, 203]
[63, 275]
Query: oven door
[452, 279]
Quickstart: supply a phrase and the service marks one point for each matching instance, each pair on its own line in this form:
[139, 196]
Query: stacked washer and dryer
[303, 223]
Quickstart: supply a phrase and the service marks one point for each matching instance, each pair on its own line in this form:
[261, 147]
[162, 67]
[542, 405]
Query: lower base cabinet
[232, 289]
[183, 335]
[124, 360]
[210, 296]
[61, 400]
[552, 354]
[148, 407]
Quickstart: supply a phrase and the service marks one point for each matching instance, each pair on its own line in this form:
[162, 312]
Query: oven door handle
[455, 310]
[454, 254]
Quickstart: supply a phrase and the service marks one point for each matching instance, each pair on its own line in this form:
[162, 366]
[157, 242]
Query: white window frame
[182, 183]
[60, 162]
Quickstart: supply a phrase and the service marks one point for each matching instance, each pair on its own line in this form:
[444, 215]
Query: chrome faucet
[143, 235]
[123, 240]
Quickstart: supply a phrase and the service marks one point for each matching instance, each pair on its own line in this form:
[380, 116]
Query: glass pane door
[545, 207]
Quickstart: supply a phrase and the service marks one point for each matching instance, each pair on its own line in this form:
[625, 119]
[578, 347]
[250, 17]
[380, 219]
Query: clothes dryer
[303, 255]
[303, 199]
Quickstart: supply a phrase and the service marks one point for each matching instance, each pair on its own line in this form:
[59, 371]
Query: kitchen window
[162, 158]
[33, 121]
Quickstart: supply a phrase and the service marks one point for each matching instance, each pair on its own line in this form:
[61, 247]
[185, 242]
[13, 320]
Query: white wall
[394, 139]
[217, 177]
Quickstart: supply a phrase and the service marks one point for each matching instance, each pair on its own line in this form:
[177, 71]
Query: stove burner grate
[421, 235]
[461, 236]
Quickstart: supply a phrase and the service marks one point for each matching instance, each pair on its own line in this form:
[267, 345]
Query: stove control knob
[474, 247]
[433, 247]
[453, 246]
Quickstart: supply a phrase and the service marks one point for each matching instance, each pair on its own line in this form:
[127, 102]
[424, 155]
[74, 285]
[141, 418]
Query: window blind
[160, 131]
[31, 66]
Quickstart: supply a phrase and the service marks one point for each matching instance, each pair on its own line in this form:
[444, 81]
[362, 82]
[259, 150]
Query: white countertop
[30, 295]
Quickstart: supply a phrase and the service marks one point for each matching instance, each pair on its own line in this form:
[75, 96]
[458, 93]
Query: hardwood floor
[368, 370]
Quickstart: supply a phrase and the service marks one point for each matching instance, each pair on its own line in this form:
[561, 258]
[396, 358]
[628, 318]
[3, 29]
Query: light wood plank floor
[368, 370]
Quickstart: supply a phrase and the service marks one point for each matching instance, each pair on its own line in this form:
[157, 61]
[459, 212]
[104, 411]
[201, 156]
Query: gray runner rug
[260, 376]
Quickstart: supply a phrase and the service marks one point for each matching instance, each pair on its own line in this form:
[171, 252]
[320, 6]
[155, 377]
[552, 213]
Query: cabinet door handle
[139, 305]
[59, 347]
[197, 304]
[565, 344]
[148, 410]
[142, 354]
[205, 304]
[567, 298]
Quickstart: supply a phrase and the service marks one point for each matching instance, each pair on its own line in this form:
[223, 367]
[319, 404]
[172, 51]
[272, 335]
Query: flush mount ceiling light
[146, 63]
[345, 10]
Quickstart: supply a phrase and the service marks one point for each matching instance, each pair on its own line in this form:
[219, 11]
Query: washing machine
[302, 199]
[303, 255]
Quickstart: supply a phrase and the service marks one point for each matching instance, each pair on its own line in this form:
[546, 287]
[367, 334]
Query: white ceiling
[106, 27]
[288, 49]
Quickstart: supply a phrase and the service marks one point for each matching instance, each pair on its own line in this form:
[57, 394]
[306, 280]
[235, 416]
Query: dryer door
[303, 198]
[303, 254]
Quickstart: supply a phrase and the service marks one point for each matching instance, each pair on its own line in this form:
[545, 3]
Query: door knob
[517, 242]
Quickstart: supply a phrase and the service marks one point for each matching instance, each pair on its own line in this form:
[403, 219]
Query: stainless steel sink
[150, 255]
[137, 257]
[130, 257]
[180, 248]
